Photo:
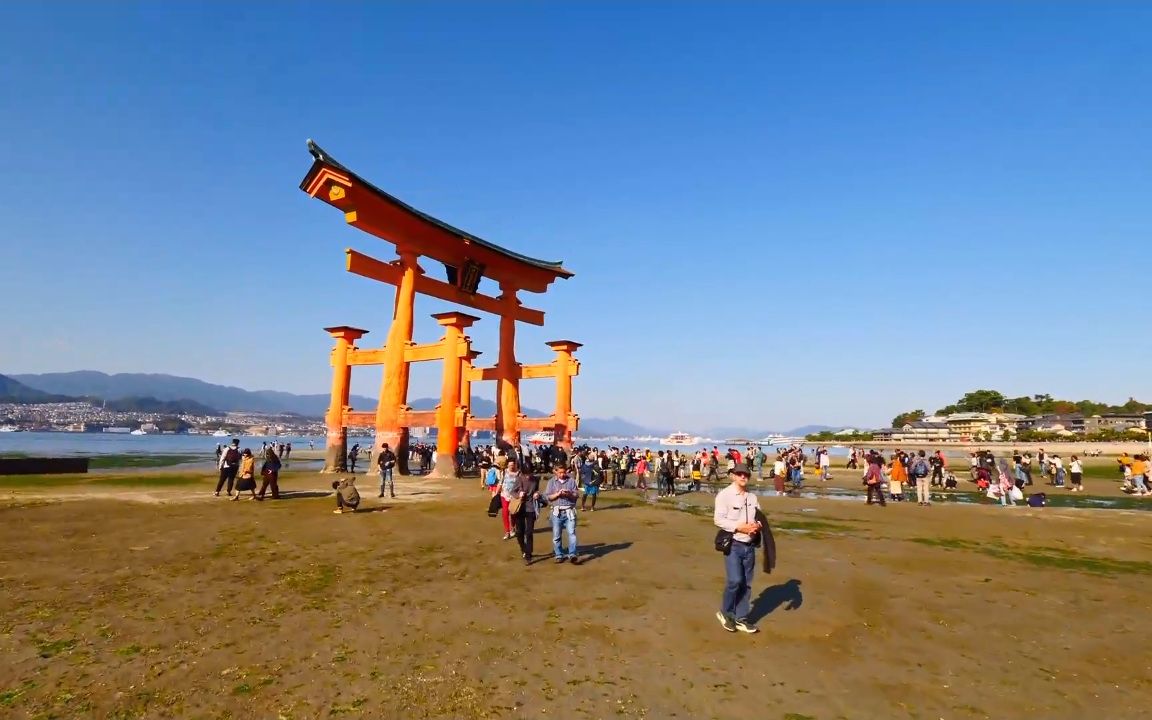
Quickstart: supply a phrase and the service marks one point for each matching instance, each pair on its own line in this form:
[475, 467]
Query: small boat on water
[137, 431]
[680, 438]
[543, 437]
[9, 428]
[219, 433]
[779, 440]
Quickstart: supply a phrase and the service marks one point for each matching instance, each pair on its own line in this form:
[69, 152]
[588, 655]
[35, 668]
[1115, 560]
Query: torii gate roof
[369, 208]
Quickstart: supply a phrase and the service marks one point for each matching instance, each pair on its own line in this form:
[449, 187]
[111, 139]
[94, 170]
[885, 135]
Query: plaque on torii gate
[466, 259]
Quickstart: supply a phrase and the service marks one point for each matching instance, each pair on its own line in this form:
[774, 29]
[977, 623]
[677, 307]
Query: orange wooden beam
[413, 353]
[547, 370]
[478, 423]
[408, 418]
[390, 273]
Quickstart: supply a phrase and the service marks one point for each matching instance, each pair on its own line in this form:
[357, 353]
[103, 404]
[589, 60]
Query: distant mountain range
[13, 391]
[190, 391]
[147, 390]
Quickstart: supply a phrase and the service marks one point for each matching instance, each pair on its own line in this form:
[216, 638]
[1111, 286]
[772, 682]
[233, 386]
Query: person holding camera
[562, 494]
[386, 461]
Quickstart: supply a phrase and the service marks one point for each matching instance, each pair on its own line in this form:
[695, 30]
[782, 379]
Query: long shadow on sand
[599, 550]
[298, 494]
[773, 596]
[617, 506]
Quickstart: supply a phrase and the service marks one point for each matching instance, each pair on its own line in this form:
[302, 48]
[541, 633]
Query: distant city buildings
[979, 426]
[85, 417]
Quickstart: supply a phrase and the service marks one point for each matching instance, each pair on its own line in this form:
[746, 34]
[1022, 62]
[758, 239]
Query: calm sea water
[60, 444]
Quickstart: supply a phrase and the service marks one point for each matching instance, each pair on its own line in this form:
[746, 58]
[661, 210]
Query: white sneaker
[746, 627]
[726, 622]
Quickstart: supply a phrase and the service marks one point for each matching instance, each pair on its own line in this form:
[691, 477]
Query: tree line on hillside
[990, 401]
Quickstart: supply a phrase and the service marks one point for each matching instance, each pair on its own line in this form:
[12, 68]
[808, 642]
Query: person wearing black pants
[527, 489]
[270, 471]
[621, 476]
[227, 474]
[229, 463]
[875, 488]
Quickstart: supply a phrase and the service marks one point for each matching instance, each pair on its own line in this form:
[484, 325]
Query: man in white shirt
[735, 512]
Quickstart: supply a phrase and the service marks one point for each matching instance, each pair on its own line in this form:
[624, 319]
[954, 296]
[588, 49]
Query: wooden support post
[394, 386]
[466, 366]
[336, 445]
[456, 348]
[508, 373]
[566, 367]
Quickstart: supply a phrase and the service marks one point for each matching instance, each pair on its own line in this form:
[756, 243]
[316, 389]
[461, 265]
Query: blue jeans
[1138, 481]
[561, 521]
[739, 566]
[386, 481]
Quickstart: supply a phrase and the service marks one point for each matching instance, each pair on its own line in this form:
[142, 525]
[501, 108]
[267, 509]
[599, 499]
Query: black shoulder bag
[723, 541]
[724, 538]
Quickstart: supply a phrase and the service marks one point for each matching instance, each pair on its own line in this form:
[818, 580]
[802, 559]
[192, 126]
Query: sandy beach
[153, 602]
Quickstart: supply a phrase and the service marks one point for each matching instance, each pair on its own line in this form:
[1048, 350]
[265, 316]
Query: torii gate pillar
[466, 366]
[450, 413]
[336, 449]
[394, 386]
[566, 367]
[508, 372]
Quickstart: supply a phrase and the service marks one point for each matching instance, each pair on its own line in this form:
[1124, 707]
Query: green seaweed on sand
[1047, 557]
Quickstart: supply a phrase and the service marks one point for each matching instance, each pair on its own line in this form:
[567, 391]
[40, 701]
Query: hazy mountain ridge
[226, 398]
[14, 391]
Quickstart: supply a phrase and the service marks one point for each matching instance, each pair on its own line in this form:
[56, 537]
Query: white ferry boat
[219, 433]
[9, 428]
[137, 432]
[779, 440]
[118, 430]
[543, 437]
[680, 438]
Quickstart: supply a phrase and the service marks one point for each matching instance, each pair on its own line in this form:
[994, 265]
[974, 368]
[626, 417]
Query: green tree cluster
[993, 401]
[832, 436]
[909, 417]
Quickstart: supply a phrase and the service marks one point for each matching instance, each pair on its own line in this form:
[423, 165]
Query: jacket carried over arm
[767, 541]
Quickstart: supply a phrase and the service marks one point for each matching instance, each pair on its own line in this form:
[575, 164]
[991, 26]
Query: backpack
[232, 456]
[920, 468]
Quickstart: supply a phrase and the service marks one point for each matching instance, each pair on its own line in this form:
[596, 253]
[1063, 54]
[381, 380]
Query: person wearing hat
[735, 512]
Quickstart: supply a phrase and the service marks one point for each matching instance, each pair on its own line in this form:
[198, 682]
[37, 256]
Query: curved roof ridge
[322, 156]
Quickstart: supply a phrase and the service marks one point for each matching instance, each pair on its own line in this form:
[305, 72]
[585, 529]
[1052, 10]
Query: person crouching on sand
[347, 496]
[247, 475]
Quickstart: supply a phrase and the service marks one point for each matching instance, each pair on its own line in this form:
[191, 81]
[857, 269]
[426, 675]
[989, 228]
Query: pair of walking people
[560, 497]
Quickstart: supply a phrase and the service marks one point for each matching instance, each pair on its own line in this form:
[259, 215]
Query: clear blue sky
[777, 213]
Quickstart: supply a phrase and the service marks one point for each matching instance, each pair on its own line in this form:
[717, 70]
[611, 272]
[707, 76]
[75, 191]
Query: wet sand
[189, 606]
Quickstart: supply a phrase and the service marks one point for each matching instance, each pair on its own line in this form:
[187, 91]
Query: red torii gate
[466, 260]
